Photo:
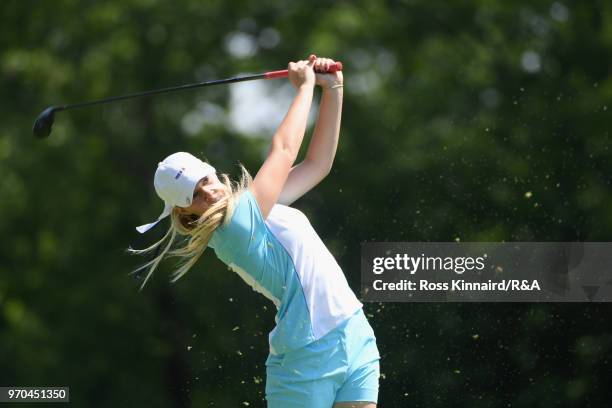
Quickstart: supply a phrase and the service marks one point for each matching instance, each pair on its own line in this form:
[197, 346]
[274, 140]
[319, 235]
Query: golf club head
[43, 123]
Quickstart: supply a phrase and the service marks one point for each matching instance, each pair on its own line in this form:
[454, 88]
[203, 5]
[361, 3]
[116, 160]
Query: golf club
[44, 121]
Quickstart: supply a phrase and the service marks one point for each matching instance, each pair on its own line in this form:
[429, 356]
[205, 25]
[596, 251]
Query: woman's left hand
[328, 80]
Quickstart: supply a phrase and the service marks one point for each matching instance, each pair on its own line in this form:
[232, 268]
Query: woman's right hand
[302, 72]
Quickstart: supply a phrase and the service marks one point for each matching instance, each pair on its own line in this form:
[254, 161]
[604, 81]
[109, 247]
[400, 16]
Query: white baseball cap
[175, 179]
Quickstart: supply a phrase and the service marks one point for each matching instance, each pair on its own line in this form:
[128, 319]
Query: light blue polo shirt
[283, 258]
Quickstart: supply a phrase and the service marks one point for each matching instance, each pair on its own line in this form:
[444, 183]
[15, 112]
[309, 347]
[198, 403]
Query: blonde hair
[193, 232]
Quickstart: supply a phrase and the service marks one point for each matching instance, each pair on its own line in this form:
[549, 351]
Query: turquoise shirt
[283, 258]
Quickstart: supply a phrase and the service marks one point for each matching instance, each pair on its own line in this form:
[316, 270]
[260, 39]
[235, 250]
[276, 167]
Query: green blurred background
[467, 120]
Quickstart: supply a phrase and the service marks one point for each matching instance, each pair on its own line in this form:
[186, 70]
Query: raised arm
[286, 142]
[324, 142]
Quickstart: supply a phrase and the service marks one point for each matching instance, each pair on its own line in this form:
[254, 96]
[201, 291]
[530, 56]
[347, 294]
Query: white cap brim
[144, 228]
[175, 180]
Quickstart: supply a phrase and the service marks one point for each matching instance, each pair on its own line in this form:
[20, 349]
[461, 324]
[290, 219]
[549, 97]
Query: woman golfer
[322, 351]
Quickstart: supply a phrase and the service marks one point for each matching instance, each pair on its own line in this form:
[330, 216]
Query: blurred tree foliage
[469, 120]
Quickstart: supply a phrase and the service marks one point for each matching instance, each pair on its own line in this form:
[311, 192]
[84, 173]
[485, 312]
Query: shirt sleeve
[243, 241]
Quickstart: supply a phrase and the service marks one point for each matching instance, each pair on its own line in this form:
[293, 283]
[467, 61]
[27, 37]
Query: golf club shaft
[267, 75]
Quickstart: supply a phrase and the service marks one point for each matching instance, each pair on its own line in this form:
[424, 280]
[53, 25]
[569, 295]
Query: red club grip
[284, 73]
